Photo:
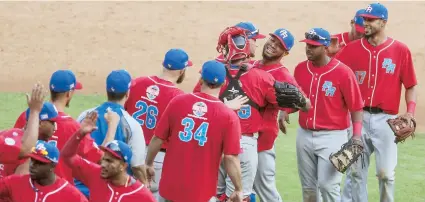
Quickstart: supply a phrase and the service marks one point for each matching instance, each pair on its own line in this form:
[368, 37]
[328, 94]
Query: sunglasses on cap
[253, 33]
[314, 37]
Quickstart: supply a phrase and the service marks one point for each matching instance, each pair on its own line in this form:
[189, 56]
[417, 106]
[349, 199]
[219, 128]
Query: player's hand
[88, 124]
[237, 196]
[36, 99]
[236, 103]
[111, 117]
[150, 172]
[283, 117]
[334, 47]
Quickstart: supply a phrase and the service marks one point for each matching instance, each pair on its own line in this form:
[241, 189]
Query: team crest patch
[152, 92]
[328, 88]
[9, 141]
[388, 65]
[199, 109]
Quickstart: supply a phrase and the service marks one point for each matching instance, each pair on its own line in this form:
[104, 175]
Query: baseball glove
[347, 155]
[403, 127]
[289, 96]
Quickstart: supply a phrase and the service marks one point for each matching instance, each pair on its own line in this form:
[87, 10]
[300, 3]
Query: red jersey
[333, 92]
[270, 129]
[258, 86]
[378, 69]
[101, 190]
[10, 145]
[343, 39]
[66, 127]
[147, 101]
[7, 169]
[20, 188]
[199, 129]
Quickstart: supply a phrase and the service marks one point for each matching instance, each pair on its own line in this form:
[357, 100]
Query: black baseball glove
[289, 96]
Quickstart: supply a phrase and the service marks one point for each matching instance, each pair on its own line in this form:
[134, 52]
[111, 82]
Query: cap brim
[39, 158]
[359, 28]
[311, 42]
[111, 152]
[259, 36]
[369, 16]
[283, 43]
[78, 86]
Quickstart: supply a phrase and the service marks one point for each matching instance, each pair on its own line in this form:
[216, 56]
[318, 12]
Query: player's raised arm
[35, 103]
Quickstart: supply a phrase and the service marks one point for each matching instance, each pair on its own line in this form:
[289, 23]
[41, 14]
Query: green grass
[410, 172]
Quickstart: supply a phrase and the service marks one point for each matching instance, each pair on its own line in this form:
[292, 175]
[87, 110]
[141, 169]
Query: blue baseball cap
[285, 37]
[253, 32]
[64, 81]
[376, 11]
[118, 81]
[213, 72]
[317, 37]
[45, 152]
[358, 21]
[176, 59]
[118, 149]
[48, 112]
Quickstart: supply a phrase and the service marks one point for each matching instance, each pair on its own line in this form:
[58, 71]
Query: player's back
[149, 96]
[198, 126]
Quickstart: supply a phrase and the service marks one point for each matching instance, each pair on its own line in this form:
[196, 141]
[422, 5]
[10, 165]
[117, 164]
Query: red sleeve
[197, 88]
[163, 128]
[21, 121]
[89, 150]
[351, 92]
[408, 75]
[5, 190]
[10, 147]
[147, 195]
[232, 136]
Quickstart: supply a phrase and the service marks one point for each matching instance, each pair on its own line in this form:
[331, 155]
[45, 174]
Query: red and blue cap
[213, 72]
[45, 152]
[48, 112]
[376, 11]
[317, 37]
[285, 37]
[358, 21]
[119, 150]
[64, 81]
[253, 32]
[176, 59]
[118, 81]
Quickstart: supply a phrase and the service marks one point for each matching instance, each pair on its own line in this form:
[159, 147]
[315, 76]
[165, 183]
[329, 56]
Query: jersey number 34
[199, 135]
[151, 112]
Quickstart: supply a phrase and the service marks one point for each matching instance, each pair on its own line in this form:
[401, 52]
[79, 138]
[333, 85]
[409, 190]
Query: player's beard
[270, 58]
[181, 77]
[67, 103]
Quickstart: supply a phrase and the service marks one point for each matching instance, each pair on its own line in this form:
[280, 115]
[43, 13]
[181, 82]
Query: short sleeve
[21, 121]
[351, 92]
[136, 142]
[232, 136]
[10, 147]
[408, 75]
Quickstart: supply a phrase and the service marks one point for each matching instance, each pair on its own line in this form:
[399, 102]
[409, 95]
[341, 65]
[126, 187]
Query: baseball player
[149, 97]
[332, 89]
[110, 180]
[339, 41]
[42, 184]
[379, 63]
[253, 34]
[198, 129]
[63, 85]
[277, 46]
[117, 88]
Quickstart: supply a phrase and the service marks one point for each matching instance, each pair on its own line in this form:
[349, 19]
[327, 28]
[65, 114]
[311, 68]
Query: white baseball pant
[158, 162]
[265, 180]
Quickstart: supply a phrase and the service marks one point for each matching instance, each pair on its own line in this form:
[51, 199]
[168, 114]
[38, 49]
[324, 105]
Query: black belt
[373, 110]
[163, 150]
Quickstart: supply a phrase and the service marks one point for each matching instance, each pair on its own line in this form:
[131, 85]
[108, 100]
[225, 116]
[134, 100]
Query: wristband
[357, 128]
[411, 106]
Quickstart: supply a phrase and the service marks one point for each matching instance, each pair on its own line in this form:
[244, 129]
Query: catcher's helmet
[234, 44]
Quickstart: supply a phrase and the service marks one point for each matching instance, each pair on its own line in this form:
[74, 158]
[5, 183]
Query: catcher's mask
[234, 44]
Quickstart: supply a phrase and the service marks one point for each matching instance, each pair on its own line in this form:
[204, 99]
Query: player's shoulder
[399, 45]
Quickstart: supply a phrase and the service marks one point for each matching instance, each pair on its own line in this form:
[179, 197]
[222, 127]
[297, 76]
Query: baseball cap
[253, 32]
[317, 37]
[118, 81]
[375, 10]
[118, 149]
[358, 21]
[213, 72]
[45, 152]
[48, 112]
[285, 37]
[64, 81]
[176, 59]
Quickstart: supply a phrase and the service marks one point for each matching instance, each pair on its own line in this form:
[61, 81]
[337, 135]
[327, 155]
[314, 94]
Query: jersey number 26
[187, 134]
[151, 112]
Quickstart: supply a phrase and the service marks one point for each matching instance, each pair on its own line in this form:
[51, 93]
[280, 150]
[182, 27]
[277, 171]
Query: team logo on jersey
[199, 109]
[328, 88]
[152, 92]
[388, 65]
[9, 141]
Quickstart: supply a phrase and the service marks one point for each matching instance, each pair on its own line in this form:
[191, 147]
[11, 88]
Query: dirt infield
[94, 38]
